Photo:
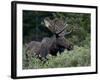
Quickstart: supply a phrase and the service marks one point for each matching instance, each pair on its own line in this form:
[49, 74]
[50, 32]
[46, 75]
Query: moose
[51, 45]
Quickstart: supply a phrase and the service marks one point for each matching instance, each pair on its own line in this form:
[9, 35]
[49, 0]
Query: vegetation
[34, 30]
[80, 56]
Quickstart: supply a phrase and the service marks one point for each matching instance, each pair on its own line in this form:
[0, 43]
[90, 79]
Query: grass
[80, 56]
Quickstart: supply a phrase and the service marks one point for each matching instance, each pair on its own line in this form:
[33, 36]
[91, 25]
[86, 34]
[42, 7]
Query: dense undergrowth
[80, 56]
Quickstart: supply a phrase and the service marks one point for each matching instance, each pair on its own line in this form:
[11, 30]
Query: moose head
[58, 28]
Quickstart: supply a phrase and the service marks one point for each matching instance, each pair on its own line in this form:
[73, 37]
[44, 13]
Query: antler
[49, 24]
[57, 26]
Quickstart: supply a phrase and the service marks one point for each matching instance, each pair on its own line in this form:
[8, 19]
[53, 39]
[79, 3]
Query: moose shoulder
[51, 45]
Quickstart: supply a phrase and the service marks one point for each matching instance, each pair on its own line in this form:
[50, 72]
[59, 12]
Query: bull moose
[51, 45]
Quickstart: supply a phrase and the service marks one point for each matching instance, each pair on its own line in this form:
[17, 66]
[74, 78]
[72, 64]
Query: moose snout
[70, 47]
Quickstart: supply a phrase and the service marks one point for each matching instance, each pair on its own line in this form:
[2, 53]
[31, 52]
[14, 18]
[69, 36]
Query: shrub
[80, 56]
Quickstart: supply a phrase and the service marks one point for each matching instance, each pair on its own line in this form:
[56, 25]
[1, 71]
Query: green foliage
[80, 56]
[33, 29]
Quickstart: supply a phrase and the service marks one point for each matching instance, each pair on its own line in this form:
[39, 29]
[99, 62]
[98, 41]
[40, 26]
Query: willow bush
[80, 56]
